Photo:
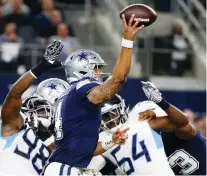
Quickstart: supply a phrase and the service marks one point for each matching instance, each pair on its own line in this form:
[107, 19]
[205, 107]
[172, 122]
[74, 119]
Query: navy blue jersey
[77, 126]
[186, 156]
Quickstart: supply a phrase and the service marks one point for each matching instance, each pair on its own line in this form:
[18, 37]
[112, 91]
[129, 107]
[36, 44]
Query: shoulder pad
[85, 82]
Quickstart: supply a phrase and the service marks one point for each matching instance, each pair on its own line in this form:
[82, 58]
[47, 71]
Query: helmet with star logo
[51, 89]
[84, 63]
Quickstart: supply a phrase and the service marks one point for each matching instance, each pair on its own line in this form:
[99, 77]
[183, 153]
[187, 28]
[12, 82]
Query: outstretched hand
[120, 136]
[53, 51]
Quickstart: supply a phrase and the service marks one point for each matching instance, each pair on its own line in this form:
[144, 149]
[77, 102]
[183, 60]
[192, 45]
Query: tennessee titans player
[78, 113]
[39, 115]
[143, 152]
[186, 148]
[21, 151]
[39, 109]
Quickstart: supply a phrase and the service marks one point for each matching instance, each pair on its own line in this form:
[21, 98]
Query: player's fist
[151, 91]
[120, 136]
[131, 29]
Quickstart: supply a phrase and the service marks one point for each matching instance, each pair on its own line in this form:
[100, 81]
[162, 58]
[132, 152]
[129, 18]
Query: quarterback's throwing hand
[120, 136]
[131, 29]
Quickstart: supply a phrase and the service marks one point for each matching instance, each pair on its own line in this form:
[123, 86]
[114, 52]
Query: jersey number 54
[135, 154]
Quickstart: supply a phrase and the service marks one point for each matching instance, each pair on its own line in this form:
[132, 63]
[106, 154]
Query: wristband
[108, 142]
[38, 70]
[127, 43]
[163, 104]
[49, 141]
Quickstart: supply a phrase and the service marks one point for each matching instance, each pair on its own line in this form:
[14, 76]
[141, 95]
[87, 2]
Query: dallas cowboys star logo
[52, 86]
[83, 56]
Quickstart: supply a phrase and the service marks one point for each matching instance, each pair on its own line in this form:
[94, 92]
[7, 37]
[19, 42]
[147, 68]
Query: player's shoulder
[86, 82]
[143, 106]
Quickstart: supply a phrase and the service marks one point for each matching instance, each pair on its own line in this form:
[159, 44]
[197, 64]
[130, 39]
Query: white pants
[59, 169]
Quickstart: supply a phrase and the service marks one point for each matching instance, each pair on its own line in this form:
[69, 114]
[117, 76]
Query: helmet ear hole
[82, 72]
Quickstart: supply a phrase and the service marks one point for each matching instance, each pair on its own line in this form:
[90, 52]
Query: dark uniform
[79, 126]
[186, 157]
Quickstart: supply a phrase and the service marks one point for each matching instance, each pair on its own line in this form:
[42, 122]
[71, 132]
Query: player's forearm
[21, 85]
[121, 71]
[99, 149]
[183, 130]
[104, 145]
[177, 116]
[123, 65]
[109, 88]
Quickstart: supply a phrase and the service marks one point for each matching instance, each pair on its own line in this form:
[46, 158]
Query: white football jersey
[143, 153]
[22, 154]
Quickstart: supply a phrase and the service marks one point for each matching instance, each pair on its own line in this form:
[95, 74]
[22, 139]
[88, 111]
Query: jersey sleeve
[83, 88]
[149, 105]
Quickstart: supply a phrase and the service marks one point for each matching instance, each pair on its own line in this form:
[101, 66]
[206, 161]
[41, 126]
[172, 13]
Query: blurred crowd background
[171, 52]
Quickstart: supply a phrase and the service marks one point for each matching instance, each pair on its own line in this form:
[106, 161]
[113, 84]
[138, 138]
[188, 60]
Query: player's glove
[153, 94]
[49, 59]
[53, 51]
[151, 91]
[32, 121]
[44, 134]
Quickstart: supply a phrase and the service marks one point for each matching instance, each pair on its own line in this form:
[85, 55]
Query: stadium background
[171, 52]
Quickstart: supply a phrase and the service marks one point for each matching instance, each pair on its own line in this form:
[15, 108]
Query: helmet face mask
[84, 63]
[36, 109]
[114, 114]
[111, 118]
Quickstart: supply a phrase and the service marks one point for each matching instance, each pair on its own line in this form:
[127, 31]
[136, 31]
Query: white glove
[151, 91]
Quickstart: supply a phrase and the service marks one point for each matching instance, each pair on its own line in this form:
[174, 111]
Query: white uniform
[22, 154]
[143, 153]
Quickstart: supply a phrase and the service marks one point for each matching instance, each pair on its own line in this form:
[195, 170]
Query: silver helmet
[82, 63]
[51, 89]
[114, 114]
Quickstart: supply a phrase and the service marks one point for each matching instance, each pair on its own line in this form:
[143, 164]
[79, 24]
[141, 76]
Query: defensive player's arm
[109, 88]
[10, 113]
[176, 121]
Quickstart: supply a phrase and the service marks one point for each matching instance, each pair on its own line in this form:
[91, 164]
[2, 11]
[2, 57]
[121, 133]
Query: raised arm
[10, 112]
[175, 120]
[110, 87]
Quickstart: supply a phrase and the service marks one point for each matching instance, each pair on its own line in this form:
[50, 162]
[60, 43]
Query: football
[146, 13]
